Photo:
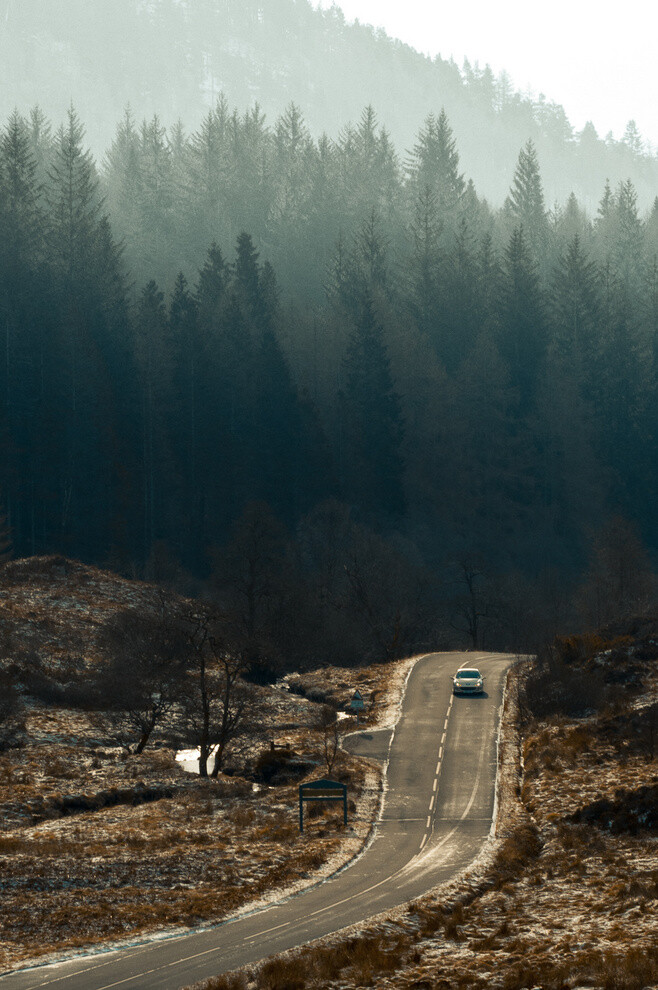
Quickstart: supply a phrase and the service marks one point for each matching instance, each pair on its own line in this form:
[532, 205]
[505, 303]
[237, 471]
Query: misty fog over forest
[413, 372]
[174, 58]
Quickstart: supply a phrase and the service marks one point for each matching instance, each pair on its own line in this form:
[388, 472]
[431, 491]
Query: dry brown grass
[361, 961]
[556, 893]
[116, 871]
[83, 861]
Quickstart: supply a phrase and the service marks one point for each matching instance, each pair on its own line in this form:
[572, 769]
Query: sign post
[357, 704]
[322, 790]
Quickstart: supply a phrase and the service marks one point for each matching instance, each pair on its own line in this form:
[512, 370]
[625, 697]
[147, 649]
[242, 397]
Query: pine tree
[212, 286]
[369, 172]
[628, 254]
[488, 486]
[575, 310]
[247, 276]
[90, 335]
[463, 307]
[210, 172]
[372, 425]
[225, 321]
[604, 226]
[156, 196]
[521, 314]
[153, 352]
[74, 201]
[123, 178]
[250, 192]
[41, 143]
[622, 390]
[426, 263]
[361, 269]
[525, 203]
[20, 210]
[434, 164]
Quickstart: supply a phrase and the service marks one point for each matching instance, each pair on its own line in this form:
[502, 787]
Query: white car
[468, 680]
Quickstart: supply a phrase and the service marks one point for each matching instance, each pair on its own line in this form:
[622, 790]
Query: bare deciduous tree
[329, 726]
[143, 679]
[218, 704]
[473, 606]
[620, 580]
[251, 580]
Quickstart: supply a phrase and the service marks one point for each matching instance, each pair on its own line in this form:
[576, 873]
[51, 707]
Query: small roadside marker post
[357, 704]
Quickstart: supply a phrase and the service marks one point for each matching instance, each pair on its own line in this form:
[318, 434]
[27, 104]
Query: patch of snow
[189, 759]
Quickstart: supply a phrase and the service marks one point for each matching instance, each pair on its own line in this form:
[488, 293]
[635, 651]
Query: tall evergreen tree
[575, 308]
[434, 164]
[525, 203]
[521, 314]
[426, 262]
[372, 467]
[154, 356]
[74, 201]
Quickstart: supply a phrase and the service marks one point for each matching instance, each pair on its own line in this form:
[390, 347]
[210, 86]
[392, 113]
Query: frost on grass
[98, 846]
[565, 894]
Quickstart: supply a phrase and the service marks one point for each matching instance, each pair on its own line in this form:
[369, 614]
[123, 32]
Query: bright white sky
[595, 57]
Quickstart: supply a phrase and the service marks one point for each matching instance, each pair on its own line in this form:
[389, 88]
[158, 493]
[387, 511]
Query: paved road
[437, 814]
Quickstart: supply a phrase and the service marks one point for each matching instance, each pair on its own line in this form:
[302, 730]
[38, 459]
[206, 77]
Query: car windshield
[468, 673]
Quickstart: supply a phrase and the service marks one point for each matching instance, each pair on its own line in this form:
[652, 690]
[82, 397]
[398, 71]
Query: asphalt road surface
[436, 815]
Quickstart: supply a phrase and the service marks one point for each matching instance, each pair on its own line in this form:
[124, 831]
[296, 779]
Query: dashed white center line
[437, 772]
[249, 938]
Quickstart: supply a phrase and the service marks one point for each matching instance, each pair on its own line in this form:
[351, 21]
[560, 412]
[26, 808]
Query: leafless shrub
[517, 851]
[365, 959]
[65, 685]
[579, 839]
[243, 816]
[312, 859]
[279, 766]
[553, 687]
[634, 969]
[230, 981]
[12, 714]
[645, 724]
[453, 922]
[431, 920]
[284, 974]
[630, 811]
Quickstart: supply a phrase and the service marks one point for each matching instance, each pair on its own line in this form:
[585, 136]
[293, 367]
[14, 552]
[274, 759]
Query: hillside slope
[271, 53]
[99, 843]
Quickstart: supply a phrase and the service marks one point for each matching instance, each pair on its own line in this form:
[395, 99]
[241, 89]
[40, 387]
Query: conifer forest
[327, 376]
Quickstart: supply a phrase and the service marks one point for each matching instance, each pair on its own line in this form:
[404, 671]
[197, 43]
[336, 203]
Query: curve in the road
[436, 815]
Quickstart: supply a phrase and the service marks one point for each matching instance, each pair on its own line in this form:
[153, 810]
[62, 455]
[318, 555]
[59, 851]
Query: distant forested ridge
[326, 375]
[174, 57]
